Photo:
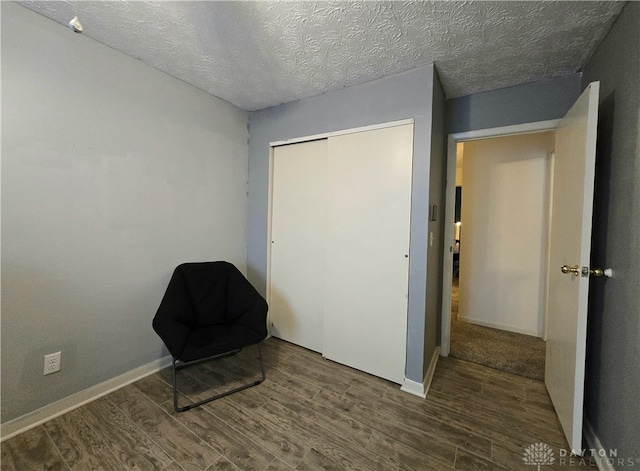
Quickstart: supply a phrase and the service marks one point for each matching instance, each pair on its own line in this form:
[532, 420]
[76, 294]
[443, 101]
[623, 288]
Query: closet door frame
[272, 146]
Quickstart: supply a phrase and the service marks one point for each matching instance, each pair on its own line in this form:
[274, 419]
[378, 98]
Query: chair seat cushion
[213, 340]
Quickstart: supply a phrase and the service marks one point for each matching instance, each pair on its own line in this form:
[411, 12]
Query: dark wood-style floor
[310, 414]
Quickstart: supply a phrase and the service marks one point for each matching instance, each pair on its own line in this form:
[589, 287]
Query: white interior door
[296, 293]
[367, 244]
[570, 245]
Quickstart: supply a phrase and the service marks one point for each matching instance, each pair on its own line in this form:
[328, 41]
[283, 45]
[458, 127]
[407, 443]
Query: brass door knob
[567, 269]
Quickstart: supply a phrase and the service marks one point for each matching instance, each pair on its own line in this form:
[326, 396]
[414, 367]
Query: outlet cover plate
[52, 363]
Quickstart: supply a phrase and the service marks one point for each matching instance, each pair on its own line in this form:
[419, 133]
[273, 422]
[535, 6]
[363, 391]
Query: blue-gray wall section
[436, 197]
[407, 95]
[613, 339]
[526, 103]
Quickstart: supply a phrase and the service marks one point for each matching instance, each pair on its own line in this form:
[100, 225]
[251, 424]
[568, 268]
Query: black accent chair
[210, 310]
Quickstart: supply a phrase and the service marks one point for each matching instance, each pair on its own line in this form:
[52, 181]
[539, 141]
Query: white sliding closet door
[296, 297]
[368, 202]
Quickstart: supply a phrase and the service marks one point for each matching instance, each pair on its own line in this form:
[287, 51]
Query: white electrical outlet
[52, 363]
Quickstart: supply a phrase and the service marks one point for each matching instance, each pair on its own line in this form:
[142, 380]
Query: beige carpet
[506, 351]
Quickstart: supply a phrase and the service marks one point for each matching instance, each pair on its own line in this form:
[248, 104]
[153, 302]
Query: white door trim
[450, 201]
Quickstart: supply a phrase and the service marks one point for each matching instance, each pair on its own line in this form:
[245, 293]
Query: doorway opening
[495, 292]
[567, 256]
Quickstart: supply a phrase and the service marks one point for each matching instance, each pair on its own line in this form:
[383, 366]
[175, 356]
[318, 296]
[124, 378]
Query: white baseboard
[421, 389]
[413, 387]
[497, 325]
[594, 443]
[51, 411]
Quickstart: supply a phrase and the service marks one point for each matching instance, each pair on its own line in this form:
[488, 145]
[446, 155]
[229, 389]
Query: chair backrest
[206, 284]
[215, 293]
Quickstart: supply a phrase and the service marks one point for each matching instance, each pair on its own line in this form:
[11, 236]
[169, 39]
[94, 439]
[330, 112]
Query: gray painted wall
[613, 339]
[437, 177]
[112, 174]
[408, 95]
[526, 103]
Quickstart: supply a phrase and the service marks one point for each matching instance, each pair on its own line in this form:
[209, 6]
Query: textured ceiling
[263, 53]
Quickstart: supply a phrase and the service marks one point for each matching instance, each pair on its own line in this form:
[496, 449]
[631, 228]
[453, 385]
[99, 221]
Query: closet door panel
[298, 229]
[367, 245]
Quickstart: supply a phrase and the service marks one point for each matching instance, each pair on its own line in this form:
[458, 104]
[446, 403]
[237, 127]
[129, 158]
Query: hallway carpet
[506, 351]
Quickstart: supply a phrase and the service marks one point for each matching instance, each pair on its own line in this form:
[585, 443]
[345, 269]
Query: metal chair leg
[176, 367]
